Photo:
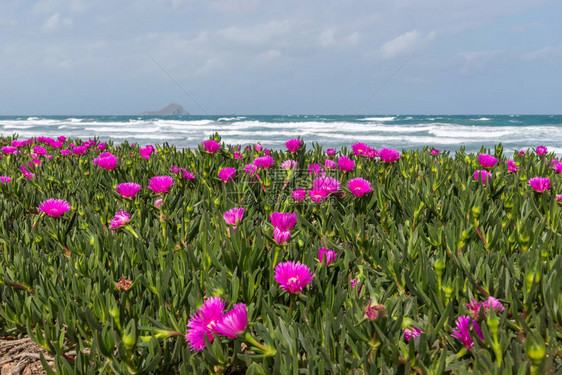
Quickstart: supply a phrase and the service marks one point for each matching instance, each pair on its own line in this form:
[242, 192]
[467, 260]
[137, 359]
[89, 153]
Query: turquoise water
[402, 132]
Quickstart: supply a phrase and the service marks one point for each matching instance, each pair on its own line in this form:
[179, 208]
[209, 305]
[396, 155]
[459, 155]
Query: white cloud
[55, 23]
[544, 53]
[476, 61]
[405, 43]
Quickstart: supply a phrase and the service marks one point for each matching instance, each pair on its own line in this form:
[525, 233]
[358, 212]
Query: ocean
[445, 132]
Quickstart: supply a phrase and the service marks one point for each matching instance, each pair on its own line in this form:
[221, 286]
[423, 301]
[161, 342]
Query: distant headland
[170, 110]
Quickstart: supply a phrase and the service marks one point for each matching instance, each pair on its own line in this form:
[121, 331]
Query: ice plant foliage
[160, 184]
[293, 276]
[54, 207]
[540, 184]
[128, 189]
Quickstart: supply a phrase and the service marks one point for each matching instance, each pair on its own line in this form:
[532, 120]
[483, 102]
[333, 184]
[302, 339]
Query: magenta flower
[106, 160]
[250, 169]
[61, 138]
[211, 146]
[285, 222]
[359, 186]
[435, 152]
[411, 333]
[289, 164]
[18, 144]
[101, 146]
[491, 303]
[541, 150]
[128, 189]
[330, 152]
[160, 184]
[158, 202]
[326, 254]
[540, 184]
[9, 150]
[462, 332]
[330, 164]
[487, 161]
[258, 147]
[146, 152]
[317, 195]
[79, 150]
[65, 152]
[54, 207]
[234, 322]
[359, 149]
[293, 276]
[511, 166]
[371, 153]
[354, 283]
[26, 173]
[327, 184]
[5, 179]
[346, 164]
[316, 170]
[558, 167]
[40, 150]
[522, 153]
[185, 174]
[482, 176]
[238, 155]
[203, 322]
[121, 218]
[280, 236]
[389, 155]
[293, 145]
[559, 198]
[55, 144]
[226, 174]
[234, 215]
[299, 195]
[264, 162]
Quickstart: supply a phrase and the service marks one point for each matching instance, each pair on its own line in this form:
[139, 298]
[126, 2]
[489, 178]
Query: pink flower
[238, 155]
[128, 189]
[234, 322]
[317, 195]
[5, 179]
[541, 150]
[26, 173]
[203, 322]
[293, 276]
[489, 304]
[354, 283]
[326, 254]
[146, 152]
[250, 169]
[289, 164]
[234, 215]
[330, 164]
[411, 333]
[18, 144]
[280, 236]
[558, 167]
[359, 186]
[264, 162]
[522, 153]
[65, 152]
[40, 150]
[62, 138]
[389, 155]
[299, 195]
[106, 160]
[158, 202]
[559, 198]
[121, 218]
[540, 184]
[487, 161]
[293, 145]
[55, 144]
[185, 174]
[371, 153]
[359, 149]
[511, 166]
[435, 152]
[79, 150]
[482, 176]
[211, 146]
[226, 174]
[285, 222]
[258, 147]
[328, 185]
[316, 170]
[462, 332]
[9, 150]
[330, 152]
[101, 146]
[160, 184]
[54, 207]
[346, 164]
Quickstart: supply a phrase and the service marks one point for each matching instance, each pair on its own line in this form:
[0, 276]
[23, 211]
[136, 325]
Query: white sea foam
[231, 118]
[481, 119]
[389, 118]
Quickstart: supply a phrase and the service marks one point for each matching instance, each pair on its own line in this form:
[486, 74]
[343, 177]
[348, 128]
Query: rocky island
[170, 110]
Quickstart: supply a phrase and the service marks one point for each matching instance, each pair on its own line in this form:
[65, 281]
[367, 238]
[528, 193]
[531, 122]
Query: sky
[62, 57]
